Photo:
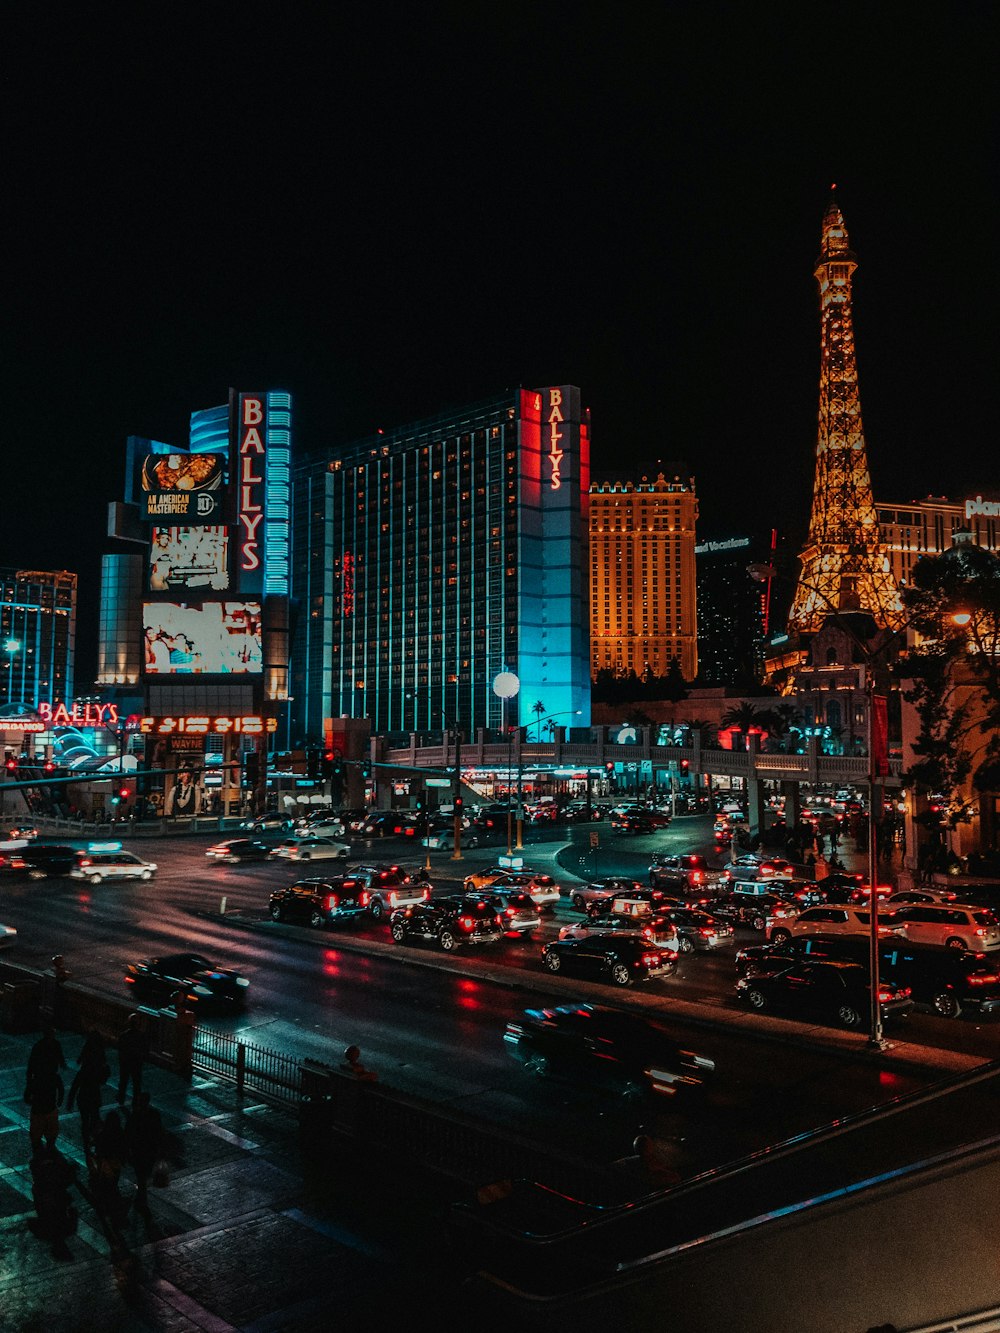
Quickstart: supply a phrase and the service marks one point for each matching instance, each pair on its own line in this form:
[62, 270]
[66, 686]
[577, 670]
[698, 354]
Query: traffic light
[328, 761]
[10, 764]
[49, 767]
[312, 764]
[685, 765]
[123, 795]
[420, 805]
[251, 768]
[458, 805]
[115, 799]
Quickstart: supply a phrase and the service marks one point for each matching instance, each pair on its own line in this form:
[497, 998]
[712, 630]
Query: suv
[99, 866]
[680, 873]
[834, 990]
[544, 890]
[830, 919]
[515, 908]
[44, 859]
[619, 959]
[601, 890]
[959, 926]
[389, 888]
[319, 901]
[449, 922]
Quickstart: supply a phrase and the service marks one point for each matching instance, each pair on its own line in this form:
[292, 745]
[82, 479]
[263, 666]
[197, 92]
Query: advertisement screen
[202, 638]
[183, 487]
[189, 558]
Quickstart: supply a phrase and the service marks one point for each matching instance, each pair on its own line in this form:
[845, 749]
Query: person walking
[51, 1176]
[110, 1154]
[133, 1048]
[85, 1090]
[144, 1135]
[43, 1091]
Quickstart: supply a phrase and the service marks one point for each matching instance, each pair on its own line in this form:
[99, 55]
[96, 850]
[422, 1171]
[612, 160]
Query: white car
[647, 925]
[308, 848]
[97, 866]
[829, 919]
[545, 892]
[958, 925]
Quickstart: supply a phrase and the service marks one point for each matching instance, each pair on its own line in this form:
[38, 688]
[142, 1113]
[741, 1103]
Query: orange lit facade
[928, 527]
[642, 576]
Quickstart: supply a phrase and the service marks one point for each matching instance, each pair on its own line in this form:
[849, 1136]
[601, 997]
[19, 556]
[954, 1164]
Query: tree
[743, 718]
[538, 708]
[675, 687]
[954, 674]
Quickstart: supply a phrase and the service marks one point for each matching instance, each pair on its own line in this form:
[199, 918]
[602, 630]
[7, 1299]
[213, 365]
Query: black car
[657, 898]
[837, 991]
[680, 874]
[43, 860]
[449, 922]
[635, 823]
[320, 902]
[626, 1053]
[697, 930]
[158, 980]
[619, 959]
[947, 981]
[234, 850]
[743, 907]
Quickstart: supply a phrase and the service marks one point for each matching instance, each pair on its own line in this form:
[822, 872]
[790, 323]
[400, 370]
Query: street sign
[437, 782]
[595, 840]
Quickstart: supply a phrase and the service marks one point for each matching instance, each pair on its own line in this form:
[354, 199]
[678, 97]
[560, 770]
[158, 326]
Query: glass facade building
[37, 636]
[119, 631]
[430, 558]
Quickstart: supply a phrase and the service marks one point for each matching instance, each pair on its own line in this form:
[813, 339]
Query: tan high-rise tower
[844, 565]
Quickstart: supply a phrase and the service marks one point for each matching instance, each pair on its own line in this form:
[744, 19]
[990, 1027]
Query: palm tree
[707, 731]
[743, 718]
[538, 708]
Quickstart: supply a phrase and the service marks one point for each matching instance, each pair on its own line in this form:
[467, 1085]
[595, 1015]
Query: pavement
[253, 1232]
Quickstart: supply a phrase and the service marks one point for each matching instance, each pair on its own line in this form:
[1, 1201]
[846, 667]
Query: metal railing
[267, 1072]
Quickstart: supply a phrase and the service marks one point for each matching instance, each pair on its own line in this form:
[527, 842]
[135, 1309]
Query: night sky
[397, 211]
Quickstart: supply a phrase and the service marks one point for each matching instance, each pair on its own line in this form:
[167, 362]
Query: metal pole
[456, 794]
[520, 811]
[876, 1039]
[509, 775]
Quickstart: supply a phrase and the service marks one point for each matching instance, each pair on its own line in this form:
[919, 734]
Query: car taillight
[426, 895]
[980, 931]
[986, 980]
[510, 912]
[329, 903]
[85, 861]
[650, 959]
[466, 922]
[363, 898]
[705, 930]
[697, 877]
[392, 897]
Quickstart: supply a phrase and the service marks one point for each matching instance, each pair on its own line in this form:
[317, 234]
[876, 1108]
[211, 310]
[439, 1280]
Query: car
[618, 959]
[516, 909]
[629, 1054]
[97, 866]
[543, 889]
[601, 890]
[657, 899]
[831, 919]
[327, 827]
[12, 864]
[234, 850]
[578, 812]
[837, 991]
[390, 887]
[8, 934]
[308, 848]
[680, 873]
[656, 929]
[266, 824]
[946, 981]
[752, 904]
[494, 817]
[389, 824]
[44, 860]
[319, 902]
[546, 812]
[203, 985]
[907, 897]
[449, 922]
[957, 925]
[753, 867]
[697, 930]
[640, 823]
[443, 839]
[23, 833]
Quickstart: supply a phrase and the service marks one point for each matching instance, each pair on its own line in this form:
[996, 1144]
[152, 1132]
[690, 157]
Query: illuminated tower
[844, 565]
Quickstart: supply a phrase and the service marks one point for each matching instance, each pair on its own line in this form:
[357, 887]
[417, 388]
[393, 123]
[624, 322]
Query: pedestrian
[85, 1090]
[144, 1135]
[43, 1091]
[47, 1050]
[352, 1065]
[110, 1153]
[133, 1048]
[60, 975]
[51, 1176]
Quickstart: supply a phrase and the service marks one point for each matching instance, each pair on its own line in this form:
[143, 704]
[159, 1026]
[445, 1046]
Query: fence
[269, 1073]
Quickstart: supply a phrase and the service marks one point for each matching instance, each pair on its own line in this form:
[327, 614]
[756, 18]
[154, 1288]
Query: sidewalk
[251, 1233]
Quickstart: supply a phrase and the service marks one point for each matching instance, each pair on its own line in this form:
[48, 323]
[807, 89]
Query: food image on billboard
[183, 486]
[189, 558]
[202, 638]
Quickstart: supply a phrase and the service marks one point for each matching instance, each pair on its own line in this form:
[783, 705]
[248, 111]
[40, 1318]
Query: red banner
[880, 737]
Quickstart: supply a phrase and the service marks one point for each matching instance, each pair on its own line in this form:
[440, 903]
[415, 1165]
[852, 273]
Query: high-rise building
[928, 527]
[433, 557]
[37, 636]
[732, 613]
[643, 611]
[844, 564]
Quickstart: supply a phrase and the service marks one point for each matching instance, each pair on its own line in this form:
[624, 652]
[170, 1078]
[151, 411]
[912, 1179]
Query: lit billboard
[202, 638]
[251, 464]
[189, 558]
[183, 487]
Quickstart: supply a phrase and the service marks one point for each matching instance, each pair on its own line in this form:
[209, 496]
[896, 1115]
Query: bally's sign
[251, 447]
[78, 715]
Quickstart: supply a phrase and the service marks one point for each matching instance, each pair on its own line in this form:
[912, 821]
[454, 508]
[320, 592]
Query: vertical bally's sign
[554, 436]
[251, 437]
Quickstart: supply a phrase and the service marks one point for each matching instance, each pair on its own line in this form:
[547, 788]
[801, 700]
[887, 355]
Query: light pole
[764, 573]
[505, 686]
[12, 647]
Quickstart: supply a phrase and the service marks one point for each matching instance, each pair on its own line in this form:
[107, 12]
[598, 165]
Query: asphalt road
[432, 1026]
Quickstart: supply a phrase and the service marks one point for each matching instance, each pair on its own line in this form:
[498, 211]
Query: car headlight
[201, 990]
[242, 981]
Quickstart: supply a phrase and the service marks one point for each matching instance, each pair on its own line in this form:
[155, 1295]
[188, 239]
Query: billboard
[251, 469]
[189, 558]
[202, 638]
[185, 487]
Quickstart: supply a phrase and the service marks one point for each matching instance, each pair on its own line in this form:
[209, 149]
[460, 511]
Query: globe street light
[505, 686]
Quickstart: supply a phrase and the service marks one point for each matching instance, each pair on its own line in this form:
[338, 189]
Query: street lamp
[12, 647]
[505, 686]
[566, 712]
[763, 574]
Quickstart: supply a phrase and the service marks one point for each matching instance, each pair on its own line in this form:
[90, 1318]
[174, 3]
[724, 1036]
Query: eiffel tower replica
[845, 568]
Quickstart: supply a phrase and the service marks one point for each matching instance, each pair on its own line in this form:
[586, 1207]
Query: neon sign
[348, 594]
[555, 454]
[251, 480]
[207, 726]
[78, 715]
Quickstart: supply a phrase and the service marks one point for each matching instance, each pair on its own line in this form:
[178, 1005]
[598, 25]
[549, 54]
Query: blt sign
[251, 453]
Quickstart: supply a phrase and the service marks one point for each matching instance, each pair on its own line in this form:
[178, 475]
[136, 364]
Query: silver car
[311, 849]
[97, 866]
[957, 925]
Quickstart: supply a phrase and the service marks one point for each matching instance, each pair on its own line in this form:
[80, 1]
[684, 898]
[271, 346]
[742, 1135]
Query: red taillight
[510, 912]
[706, 931]
[363, 898]
[987, 980]
[697, 877]
[650, 959]
[85, 861]
[426, 895]
[392, 897]
[980, 931]
[466, 922]
[329, 903]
